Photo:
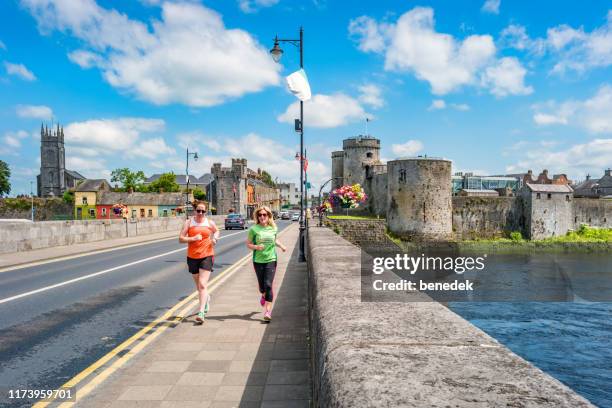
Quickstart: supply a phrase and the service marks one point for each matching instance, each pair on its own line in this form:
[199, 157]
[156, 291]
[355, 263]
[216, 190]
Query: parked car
[285, 215]
[295, 216]
[235, 221]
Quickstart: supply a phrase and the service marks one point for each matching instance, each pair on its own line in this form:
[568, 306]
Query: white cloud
[437, 58]
[197, 140]
[515, 36]
[594, 114]
[578, 50]
[437, 104]
[410, 148]
[574, 49]
[506, 77]
[325, 111]
[545, 119]
[13, 139]
[370, 95]
[19, 70]
[369, 34]
[34, 111]
[460, 106]
[150, 149]
[187, 57]
[491, 6]
[111, 135]
[576, 161]
[252, 6]
[446, 63]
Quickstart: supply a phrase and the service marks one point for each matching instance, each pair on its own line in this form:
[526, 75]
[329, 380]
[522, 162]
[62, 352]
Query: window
[165, 213]
[538, 196]
[549, 196]
[369, 155]
[150, 212]
[104, 212]
[84, 200]
[133, 213]
[92, 212]
[142, 213]
[567, 198]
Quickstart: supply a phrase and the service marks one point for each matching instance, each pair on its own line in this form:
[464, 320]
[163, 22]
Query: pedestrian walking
[262, 240]
[200, 234]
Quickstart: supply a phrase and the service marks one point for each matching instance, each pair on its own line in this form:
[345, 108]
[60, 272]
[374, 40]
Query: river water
[570, 340]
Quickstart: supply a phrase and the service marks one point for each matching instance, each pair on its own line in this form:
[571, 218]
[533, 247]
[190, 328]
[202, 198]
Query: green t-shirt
[266, 236]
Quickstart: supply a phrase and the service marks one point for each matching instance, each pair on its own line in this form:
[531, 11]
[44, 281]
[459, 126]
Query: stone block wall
[17, 237]
[407, 354]
[594, 212]
[362, 232]
[486, 217]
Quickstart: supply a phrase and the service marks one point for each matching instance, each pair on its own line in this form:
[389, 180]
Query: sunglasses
[262, 215]
[201, 211]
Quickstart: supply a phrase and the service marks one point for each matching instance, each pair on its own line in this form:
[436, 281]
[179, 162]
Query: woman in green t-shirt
[262, 241]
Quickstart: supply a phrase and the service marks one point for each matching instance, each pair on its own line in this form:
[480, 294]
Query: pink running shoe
[268, 316]
[262, 301]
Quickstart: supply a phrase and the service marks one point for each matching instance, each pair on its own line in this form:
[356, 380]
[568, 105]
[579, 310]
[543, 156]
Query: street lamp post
[32, 197]
[195, 157]
[277, 53]
[320, 203]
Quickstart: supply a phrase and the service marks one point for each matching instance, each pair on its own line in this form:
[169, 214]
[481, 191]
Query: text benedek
[404, 285]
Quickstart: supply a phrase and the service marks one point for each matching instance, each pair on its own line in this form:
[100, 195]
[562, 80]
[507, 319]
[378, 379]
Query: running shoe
[207, 305]
[268, 316]
[262, 301]
[200, 317]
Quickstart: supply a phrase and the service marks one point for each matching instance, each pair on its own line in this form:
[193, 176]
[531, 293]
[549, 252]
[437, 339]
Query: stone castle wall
[594, 212]
[486, 217]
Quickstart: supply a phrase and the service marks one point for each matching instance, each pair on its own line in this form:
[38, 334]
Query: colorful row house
[95, 200]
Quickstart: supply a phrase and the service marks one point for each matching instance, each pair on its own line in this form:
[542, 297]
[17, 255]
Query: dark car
[235, 221]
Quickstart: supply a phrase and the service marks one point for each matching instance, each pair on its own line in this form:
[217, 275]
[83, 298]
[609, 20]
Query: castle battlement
[361, 142]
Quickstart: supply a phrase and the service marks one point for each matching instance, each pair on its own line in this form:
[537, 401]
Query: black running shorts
[203, 263]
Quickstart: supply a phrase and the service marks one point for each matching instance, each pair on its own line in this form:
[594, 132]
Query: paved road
[48, 337]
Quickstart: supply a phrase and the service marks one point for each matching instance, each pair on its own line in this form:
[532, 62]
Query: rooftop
[549, 188]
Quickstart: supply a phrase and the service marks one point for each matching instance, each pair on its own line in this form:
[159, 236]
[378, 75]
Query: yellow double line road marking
[190, 301]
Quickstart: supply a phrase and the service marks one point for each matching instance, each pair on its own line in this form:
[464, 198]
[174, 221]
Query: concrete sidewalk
[234, 359]
[36, 255]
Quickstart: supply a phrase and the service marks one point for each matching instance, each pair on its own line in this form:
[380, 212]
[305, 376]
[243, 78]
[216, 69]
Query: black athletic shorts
[202, 263]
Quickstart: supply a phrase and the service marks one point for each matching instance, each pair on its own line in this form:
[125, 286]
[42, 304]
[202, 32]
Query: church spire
[42, 130]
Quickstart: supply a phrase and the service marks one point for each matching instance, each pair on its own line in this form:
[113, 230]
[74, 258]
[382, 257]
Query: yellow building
[85, 198]
[141, 205]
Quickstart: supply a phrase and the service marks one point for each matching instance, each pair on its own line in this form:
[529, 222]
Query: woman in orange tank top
[201, 235]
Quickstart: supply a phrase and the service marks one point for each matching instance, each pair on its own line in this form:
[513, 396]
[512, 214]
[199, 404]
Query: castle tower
[230, 187]
[419, 198]
[360, 154]
[337, 169]
[52, 162]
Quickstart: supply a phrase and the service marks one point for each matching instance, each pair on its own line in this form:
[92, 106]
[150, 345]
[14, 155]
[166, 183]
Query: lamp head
[276, 51]
[195, 156]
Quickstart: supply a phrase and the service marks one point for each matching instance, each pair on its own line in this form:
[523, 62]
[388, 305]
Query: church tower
[52, 180]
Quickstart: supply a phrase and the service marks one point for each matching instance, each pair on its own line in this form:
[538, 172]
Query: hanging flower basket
[348, 196]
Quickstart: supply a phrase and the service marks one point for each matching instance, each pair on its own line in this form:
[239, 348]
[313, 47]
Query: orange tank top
[204, 247]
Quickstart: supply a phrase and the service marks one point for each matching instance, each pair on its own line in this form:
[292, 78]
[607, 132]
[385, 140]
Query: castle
[54, 179]
[415, 196]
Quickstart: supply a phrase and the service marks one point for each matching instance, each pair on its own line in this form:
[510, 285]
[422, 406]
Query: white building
[289, 193]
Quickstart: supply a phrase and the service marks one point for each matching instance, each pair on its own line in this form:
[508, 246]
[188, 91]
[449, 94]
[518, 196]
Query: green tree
[166, 183]
[69, 196]
[128, 179]
[198, 194]
[5, 175]
[267, 178]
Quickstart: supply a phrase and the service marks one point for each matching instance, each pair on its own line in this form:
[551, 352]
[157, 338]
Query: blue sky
[495, 86]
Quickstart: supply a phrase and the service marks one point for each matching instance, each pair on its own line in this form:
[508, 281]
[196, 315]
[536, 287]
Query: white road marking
[68, 282]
